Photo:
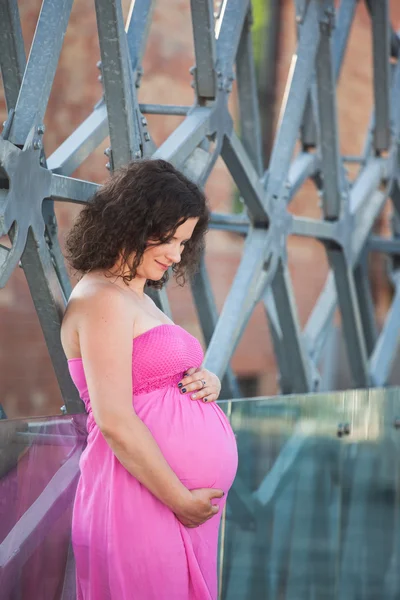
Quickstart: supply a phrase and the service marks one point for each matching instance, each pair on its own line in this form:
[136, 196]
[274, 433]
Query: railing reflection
[38, 475]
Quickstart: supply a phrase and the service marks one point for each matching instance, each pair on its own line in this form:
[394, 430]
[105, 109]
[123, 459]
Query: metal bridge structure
[31, 182]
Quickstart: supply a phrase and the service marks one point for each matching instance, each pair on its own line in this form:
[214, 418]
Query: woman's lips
[164, 267]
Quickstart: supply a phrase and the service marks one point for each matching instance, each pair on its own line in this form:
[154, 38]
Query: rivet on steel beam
[37, 145]
[98, 64]
[107, 151]
[40, 129]
[146, 136]
[144, 121]
[138, 154]
[299, 19]
[108, 166]
[192, 70]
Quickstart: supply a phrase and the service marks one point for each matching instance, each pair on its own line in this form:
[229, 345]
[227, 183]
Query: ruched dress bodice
[114, 513]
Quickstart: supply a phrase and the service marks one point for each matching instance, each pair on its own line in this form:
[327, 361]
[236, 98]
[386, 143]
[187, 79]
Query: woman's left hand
[200, 384]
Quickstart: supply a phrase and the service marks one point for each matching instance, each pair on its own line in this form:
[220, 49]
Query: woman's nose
[174, 255]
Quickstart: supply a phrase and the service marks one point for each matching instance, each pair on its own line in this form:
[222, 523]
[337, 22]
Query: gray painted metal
[40, 69]
[12, 51]
[29, 185]
[381, 54]
[204, 47]
[120, 95]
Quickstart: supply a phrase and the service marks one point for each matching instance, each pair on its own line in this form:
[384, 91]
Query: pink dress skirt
[127, 544]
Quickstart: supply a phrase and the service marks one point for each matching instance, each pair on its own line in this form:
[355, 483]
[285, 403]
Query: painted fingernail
[205, 400]
[183, 390]
[194, 396]
[180, 385]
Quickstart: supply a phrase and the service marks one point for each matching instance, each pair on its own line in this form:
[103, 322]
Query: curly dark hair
[146, 200]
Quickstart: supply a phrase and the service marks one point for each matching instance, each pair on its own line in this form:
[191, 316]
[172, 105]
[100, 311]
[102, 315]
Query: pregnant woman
[161, 455]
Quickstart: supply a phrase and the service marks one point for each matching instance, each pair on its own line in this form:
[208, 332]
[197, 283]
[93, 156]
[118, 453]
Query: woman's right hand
[197, 507]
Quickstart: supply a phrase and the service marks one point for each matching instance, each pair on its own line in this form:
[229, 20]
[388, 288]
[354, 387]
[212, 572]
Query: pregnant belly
[195, 438]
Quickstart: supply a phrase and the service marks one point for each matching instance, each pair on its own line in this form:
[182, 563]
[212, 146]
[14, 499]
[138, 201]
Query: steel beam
[384, 352]
[365, 219]
[376, 243]
[320, 321]
[51, 238]
[120, 94]
[331, 165]
[246, 178]
[186, 137]
[366, 304]
[381, 59]
[228, 30]
[292, 110]
[81, 143]
[208, 316]
[68, 189]
[344, 21]
[351, 317]
[137, 32]
[297, 360]
[284, 373]
[232, 319]
[204, 48]
[49, 301]
[12, 53]
[40, 69]
[250, 124]
[344, 18]
[304, 166]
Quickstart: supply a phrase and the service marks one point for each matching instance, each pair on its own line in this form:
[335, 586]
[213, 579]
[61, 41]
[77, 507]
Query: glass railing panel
[314, 510]
[39, 471]
[313, 513]
[369, 559]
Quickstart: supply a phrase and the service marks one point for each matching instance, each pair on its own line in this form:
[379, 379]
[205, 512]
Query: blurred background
[28, 385]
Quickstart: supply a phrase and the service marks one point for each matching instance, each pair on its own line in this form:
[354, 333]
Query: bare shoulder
[95, 305]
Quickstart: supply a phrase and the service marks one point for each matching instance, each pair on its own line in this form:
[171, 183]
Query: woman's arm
[105, 330]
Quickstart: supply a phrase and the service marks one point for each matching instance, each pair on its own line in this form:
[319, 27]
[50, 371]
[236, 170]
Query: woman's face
[157, 259]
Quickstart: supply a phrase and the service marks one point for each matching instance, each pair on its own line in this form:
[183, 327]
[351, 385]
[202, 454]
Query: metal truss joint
[345, 227]
[280, 227]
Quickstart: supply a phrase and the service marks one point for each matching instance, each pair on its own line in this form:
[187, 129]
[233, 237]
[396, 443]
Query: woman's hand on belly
[200, 384]
[198, 508]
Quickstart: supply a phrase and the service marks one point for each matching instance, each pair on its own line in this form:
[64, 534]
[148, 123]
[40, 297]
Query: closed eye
[183, 242]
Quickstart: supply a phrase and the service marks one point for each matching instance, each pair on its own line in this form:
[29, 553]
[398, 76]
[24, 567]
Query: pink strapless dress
[127, 544]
